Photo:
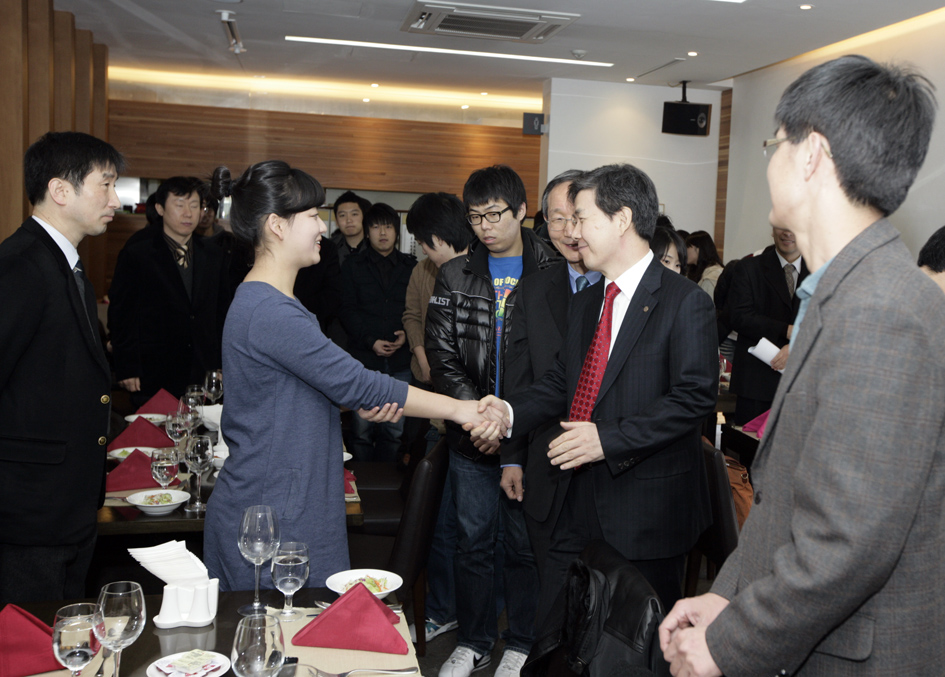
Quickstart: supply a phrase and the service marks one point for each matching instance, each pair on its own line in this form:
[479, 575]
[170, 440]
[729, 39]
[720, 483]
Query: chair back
[719, 540]
[415, 533]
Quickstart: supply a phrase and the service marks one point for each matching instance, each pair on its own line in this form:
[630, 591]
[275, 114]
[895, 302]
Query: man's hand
[467, 414]
[511, 482]
[790, 330]
[682, 635]
[383, 348]
[579, 444]
[389, 413]
[401, 339]
[779, 361]
[495, 409]
[132, 385]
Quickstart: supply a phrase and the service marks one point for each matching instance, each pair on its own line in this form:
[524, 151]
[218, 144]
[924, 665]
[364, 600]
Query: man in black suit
[54, 379]
[534, 342]
[169, 297]
[763, 305]
[637, 375]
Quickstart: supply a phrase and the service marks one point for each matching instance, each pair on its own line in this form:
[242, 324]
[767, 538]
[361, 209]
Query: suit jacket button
[758, 497]
[106, 399]
[102, 441]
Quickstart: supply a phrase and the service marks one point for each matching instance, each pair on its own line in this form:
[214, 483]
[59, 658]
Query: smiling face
[383, 237]
[303, 237]
[560, 207]
[785, 243]
[181, 214]
[597, 235]
[93, 206]
[503, 238]
[349, 217]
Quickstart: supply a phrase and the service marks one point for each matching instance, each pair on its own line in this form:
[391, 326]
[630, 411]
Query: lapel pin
[645, 308]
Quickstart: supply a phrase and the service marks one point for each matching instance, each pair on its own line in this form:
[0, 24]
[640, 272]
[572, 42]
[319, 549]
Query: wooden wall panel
[40, 47]
[161, 140]
[100, 91]
[83, 81]
[13, 97]
[721, 186]
[64, 72]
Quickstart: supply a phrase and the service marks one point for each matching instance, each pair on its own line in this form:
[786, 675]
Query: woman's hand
[389, 413]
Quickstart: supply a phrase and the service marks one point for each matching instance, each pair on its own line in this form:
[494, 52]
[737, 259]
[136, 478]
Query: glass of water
[164, 466]
[74, 642]
[290, 573]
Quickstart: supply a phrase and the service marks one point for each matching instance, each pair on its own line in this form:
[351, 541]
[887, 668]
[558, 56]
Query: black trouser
[35, 573]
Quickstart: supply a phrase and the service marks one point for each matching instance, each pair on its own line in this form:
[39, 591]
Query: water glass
[74, 642]
[213, 385]
[164, 466]
[289, 574]
[258, 647]
[119, 617]
[258, 542]
[199, 456]
[176, 426]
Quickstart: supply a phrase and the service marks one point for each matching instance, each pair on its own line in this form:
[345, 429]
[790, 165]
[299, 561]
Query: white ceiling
[636, 35]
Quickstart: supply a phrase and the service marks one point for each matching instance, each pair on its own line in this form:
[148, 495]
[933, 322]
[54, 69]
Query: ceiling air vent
[484, 21]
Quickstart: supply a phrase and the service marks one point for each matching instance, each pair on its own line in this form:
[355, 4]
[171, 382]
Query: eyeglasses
[491, 217]
[771, 143]
[559, 223]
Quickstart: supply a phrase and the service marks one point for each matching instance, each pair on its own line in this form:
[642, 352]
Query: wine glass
[164, 466]
[199, 456]
[258, 647]
[74, 642]
[191, 405]
[176, 427]
[119, 617]
[289, 573]
[213, 385]
[258, 541]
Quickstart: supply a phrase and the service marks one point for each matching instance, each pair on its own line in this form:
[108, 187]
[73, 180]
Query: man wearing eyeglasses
[839, 567]
[470, 319]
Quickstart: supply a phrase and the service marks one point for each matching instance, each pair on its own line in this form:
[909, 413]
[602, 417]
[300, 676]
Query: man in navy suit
[636, 376]
[55, 382]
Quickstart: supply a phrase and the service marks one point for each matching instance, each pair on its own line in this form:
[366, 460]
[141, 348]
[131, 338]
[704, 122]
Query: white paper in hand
[765, 351]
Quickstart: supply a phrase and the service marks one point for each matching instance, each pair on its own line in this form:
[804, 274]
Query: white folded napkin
[172, 563]
[212, 413]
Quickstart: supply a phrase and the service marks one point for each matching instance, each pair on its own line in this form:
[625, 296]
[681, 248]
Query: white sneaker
[432, 629]
[463, 662]
[512, 661]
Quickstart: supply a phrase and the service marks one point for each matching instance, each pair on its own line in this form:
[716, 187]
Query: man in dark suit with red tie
[637, 375]
[55, 382]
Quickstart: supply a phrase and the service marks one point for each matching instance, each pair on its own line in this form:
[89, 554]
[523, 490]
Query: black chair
[718, 541]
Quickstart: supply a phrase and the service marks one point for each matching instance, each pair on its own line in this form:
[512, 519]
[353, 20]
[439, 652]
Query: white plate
[153, 670]
[177, 498]
[338, 582]
[121, 453]
[153, 418]
[348, 457]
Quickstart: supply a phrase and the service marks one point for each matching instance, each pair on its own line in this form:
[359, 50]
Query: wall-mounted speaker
[691, 119]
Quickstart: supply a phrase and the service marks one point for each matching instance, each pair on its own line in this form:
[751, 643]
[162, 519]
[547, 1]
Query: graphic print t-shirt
[505, 272]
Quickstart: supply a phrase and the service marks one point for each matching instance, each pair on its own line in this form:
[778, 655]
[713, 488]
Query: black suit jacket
[760, 306]
[660, 383]
[318, 287]
[55, 387]
[159, 333]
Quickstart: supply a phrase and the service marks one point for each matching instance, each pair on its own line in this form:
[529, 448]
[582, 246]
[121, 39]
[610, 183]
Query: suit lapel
[774, 274]
[558, 297]
[168, 267]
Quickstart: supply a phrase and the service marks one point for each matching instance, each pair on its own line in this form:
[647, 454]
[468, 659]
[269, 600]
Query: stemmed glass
[176, 427]
[258, 541]
[213, 385]
[119, 617]
[164, 466]
[74, 642]
[199, 456]
[191, 405]
[289, 573]
[258, 647]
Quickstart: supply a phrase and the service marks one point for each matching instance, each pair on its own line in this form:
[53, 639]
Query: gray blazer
[841, 565]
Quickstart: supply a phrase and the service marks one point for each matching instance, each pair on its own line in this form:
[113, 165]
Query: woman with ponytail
[284, 383]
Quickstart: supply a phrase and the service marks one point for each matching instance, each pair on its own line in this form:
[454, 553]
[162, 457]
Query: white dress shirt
[72, 255]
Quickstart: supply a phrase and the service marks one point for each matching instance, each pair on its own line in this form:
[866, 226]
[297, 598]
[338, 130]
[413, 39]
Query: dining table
[155, 643]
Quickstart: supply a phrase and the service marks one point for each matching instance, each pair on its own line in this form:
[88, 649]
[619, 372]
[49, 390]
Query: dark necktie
[581, 283]
[789, 278]
[86, 294]
[592, 373]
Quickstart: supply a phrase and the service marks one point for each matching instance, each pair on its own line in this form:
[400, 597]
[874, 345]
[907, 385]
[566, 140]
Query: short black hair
[878, 119]
[270, 187]
[932, 254]
[381, 213]
[664, 237]
[564, 177]
[350, 196]
[443, 215]
[498, 182]
[618, 186]
[181, 186]
[70, 156]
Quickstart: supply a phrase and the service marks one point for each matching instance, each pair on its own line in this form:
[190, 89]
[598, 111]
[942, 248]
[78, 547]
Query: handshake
[487, 422]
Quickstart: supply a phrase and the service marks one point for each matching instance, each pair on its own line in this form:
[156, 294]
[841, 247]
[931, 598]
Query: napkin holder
[188, 606]
[182, 640]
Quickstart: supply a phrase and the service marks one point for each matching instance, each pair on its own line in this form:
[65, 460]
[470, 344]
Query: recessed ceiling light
[465, 106]
[807, 7]
[366, 100]
[693, 53]
[375, 85]
[484, 93]
[631, 79]
[437, 50]
[738, 1]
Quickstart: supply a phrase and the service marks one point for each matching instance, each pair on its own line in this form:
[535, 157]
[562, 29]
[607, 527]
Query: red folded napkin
[133, 473]
[757, 424]
[25, 644]
[357, 620]
[162, 403]
[141, 433]
[349, 478]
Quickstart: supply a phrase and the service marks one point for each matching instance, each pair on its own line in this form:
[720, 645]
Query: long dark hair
[708, 254]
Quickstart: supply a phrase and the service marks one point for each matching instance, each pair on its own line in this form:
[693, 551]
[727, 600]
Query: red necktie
[592, 373]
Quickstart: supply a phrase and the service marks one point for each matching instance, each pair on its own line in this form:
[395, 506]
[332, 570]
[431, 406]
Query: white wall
[756, 95]
[596, 123]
